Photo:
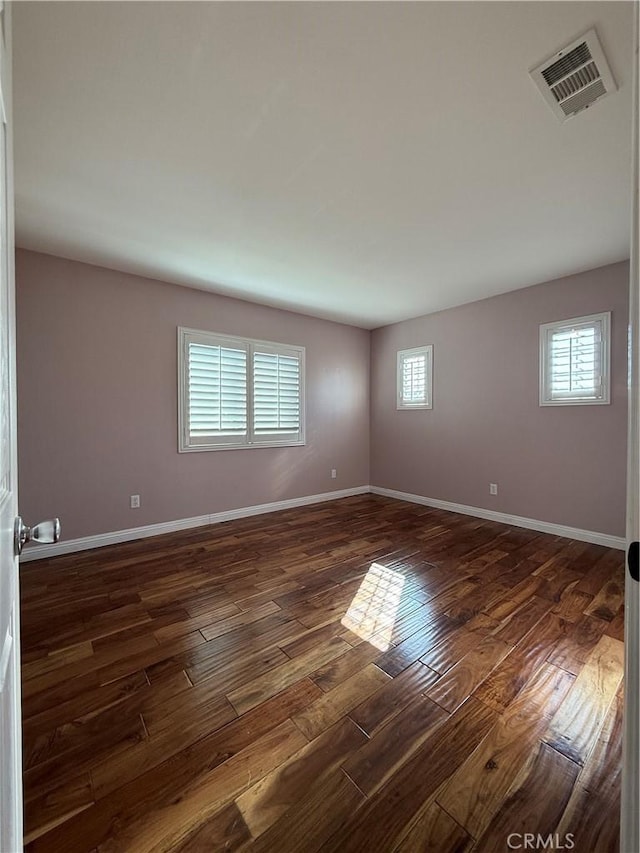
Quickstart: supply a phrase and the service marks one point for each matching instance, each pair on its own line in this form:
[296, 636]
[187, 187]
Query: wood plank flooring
[362, 675]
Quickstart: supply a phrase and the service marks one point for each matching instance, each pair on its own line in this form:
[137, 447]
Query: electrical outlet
[135, 501]
[493, 488]
[334, 473]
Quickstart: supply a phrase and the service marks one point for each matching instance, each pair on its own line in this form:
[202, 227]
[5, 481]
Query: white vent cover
[575, 77]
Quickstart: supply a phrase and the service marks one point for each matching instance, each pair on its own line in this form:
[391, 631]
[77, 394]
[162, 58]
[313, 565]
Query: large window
[237, 392]
[574, 361]
[415, 378]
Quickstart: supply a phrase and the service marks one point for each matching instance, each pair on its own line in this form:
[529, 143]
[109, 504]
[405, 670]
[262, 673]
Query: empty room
[319, 453]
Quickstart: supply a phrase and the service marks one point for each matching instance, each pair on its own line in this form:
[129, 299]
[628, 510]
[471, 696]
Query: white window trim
[605, 398]
[185, 443]
[427, 350]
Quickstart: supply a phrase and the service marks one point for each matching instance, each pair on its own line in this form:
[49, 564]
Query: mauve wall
[564, 464]
[97, 401]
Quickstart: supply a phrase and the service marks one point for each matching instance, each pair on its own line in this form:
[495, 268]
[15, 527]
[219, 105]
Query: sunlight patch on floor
[372, 613]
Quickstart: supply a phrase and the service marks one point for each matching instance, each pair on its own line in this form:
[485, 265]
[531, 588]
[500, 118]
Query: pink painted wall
[97, 401]
[564, 464]
[97, 405]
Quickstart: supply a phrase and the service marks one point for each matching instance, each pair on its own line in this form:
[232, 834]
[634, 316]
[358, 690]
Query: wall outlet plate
[493, 488]
[135, 501]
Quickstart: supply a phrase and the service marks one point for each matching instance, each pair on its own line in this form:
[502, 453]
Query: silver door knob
[46, 531]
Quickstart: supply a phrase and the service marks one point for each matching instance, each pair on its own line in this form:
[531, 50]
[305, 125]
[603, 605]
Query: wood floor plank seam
[454, 820]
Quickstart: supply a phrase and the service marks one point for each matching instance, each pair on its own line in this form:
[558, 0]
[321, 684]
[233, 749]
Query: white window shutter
[415, 378]
[414, 373]
[217, 391]
[574, 359]
[276, 394]
[237, 392]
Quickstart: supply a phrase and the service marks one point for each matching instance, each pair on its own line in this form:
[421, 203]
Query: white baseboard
[69, 546]
[502, 517]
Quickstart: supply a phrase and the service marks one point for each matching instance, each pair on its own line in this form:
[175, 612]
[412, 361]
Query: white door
[10, 731]
[630, 816]
[10, 712]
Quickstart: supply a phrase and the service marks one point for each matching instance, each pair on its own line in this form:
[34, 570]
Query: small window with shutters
[574, 361]
[415, 378]
[238, 392]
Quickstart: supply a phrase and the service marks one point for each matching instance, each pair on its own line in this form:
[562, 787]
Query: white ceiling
[365, 162]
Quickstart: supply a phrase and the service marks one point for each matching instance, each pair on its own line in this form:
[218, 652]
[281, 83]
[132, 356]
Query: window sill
[200, 448]
[575, 402]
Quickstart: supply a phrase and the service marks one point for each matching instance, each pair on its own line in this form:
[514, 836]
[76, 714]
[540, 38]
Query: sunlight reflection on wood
[372, 613]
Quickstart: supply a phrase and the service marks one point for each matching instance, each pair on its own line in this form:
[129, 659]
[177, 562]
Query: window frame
[186, 444]
[427, 350]
[546, 330]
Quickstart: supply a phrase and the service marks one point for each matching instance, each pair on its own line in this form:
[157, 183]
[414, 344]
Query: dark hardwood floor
[362, 675]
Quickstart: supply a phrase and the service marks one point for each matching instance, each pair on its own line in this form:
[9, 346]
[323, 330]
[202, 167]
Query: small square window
[574, 361]
[415, 378]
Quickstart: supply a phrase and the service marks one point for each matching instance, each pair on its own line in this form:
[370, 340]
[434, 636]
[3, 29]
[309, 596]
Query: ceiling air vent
[575, 77]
